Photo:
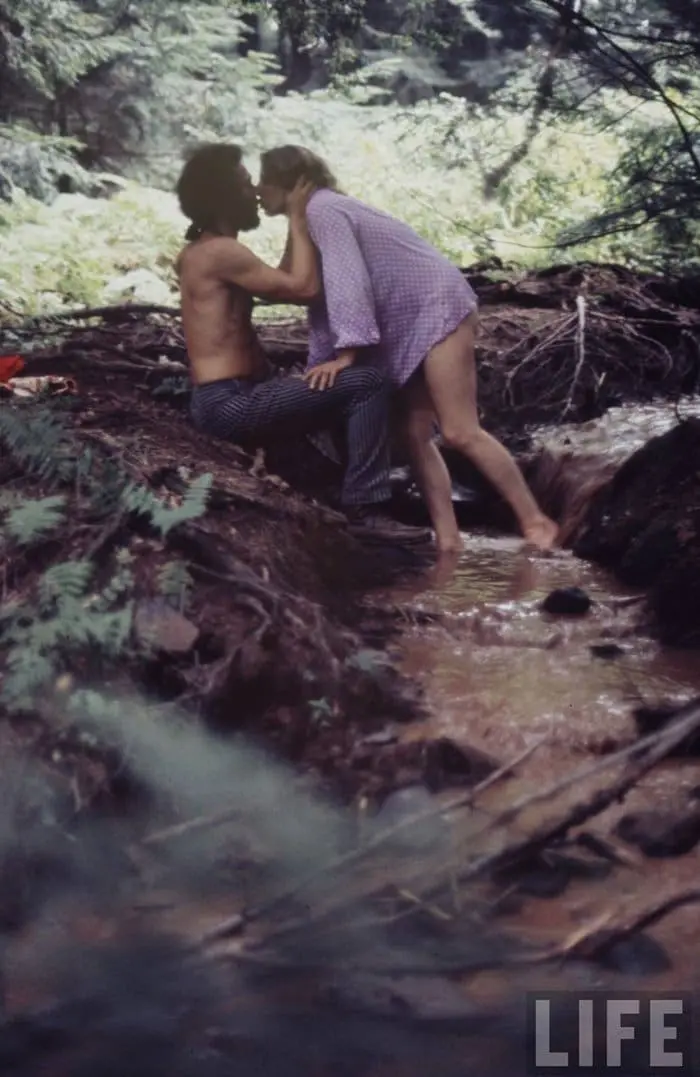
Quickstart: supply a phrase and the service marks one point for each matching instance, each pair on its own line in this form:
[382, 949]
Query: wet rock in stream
[450, 762]
[607, 651]
[639, 955]
[548, 875]
[653, 718]
[645, 525]
[567, 601]
[661, 834]
[420, 998]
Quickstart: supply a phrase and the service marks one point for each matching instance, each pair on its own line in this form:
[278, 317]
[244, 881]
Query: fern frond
[120, 584]
[175, 583]
[34, 518]
[38, 440]
[26, 673]
[138, 499]
[64, 581]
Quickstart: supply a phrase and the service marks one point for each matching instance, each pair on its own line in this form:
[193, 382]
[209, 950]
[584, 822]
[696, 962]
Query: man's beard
[249, 217]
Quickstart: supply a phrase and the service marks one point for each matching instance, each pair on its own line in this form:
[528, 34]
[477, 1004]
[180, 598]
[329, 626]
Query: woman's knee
[463, 437]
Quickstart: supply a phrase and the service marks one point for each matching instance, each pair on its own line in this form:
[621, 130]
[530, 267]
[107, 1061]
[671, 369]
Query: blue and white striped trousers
[240, 410]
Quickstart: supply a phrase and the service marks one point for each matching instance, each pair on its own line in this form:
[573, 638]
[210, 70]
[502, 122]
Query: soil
[274, 615]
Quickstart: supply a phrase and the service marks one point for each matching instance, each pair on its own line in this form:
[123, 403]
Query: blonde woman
[391, 300]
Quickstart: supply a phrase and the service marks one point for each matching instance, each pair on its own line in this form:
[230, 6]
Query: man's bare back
[217, 315]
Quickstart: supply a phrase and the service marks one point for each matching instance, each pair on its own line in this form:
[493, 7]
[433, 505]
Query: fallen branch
[111, 313]
[653, 749]
[598, 935]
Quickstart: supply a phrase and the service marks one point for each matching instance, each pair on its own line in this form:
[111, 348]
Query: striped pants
[240, 410]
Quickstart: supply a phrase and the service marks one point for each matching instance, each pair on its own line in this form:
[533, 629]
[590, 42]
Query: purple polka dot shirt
[384, 288]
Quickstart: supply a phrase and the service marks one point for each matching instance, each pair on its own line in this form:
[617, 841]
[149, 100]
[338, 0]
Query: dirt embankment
[240, 606]
[645, 524]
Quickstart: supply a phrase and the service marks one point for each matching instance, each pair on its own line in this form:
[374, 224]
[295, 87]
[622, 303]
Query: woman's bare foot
[449, 547]
[542, 533]
[444, 568]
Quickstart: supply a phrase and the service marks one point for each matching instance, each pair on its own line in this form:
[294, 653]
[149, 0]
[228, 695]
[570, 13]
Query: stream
[503, 676]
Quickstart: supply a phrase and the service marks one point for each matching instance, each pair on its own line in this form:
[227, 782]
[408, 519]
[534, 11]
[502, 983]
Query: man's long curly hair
[285, 165]
[206, 185]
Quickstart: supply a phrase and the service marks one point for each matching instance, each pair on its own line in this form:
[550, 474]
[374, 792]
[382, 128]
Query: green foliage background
[585, 140]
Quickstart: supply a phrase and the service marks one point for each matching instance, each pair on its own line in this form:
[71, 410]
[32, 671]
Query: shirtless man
[234, 396]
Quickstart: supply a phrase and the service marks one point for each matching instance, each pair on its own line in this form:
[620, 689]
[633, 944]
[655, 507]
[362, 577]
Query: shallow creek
[500, 674]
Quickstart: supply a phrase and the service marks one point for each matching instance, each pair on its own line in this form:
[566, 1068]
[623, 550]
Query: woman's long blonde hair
[283, 166]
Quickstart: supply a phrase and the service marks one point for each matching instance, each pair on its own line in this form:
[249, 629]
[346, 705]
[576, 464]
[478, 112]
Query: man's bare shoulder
[220, 253]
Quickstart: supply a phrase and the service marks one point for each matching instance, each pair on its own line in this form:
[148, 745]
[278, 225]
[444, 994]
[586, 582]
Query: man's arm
[347, 286]
[300, 283]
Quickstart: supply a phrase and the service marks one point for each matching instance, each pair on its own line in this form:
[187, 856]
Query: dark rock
[450, 762]
[645, 525]
[652, 719]
[674, 601]
[581, 867]
[567, 601]
[639, 955]
[423, 998]
[606, 650]
[43, 172]
[548, 876]
[660, 834]
[544, 882]
[164, 628]
[401, 805]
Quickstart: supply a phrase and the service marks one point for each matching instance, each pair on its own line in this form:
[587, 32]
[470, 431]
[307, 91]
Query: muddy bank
[645, 524]
[230, 596]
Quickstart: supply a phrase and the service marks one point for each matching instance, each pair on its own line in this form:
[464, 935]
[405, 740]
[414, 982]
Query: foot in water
[542, 533]
[370, 522]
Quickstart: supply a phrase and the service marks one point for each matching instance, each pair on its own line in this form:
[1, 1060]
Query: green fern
[26, 673]
[33, 519]
[65, 622]
[71, 619]
[64, 581]
[164, 517]
[36, 437]
[175, 584]
[122, 582]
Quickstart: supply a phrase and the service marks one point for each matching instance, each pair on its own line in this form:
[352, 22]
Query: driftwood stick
[599, 934]
[191, 826]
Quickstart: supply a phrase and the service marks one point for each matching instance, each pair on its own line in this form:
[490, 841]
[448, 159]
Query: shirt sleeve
[347, 287]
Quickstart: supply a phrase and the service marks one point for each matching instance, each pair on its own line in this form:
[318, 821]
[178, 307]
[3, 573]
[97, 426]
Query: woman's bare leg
[417, 417]
[450, 376]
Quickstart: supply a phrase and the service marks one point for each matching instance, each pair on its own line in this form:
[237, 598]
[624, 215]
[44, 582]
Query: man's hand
[298, 198]
[324, 375]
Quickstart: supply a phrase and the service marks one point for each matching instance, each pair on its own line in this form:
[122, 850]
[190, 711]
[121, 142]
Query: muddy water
[500, 674]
